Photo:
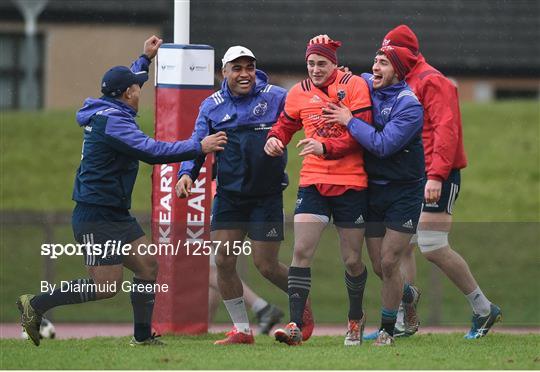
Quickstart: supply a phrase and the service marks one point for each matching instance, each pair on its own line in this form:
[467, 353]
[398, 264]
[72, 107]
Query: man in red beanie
[445, 156]
[329, 187]
[394, 162]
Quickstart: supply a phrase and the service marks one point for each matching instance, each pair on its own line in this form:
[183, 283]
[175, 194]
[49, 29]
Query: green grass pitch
[430, 351]
[498, 212]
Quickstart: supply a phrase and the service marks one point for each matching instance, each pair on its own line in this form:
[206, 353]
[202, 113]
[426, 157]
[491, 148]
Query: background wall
[489, 47]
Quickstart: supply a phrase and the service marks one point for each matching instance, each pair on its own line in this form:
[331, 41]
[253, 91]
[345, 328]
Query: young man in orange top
[444, 156]
[329, 187]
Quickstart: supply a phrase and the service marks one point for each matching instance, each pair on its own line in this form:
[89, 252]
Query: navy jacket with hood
[393, 144]
[112, 147]
[243, 166]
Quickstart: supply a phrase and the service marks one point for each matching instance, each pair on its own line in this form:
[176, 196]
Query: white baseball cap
[236, 51]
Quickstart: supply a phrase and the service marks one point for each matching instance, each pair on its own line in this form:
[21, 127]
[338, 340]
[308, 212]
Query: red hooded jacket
[442, 134]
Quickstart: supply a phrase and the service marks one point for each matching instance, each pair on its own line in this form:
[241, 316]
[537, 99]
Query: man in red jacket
[445, 156]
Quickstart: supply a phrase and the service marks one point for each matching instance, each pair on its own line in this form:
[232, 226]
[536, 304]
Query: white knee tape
[429, 240]
[414, 239]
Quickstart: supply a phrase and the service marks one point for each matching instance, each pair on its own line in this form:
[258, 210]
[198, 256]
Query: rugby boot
[290, 335]
[355, 332]
[268, 317]
[308, 323]
[236, 337]
[410, 315]
[384, 339]
[371, 336]
[482, 324]
[150, 341]
[30, 318]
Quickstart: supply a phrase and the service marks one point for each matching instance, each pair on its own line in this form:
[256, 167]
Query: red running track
[88, 330]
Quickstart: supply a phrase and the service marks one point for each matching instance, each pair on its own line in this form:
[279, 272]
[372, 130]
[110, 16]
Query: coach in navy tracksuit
[394, 162]
[112, 147]
[249, 198]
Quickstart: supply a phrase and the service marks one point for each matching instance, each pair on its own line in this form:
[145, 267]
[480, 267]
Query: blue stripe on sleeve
[123, 134]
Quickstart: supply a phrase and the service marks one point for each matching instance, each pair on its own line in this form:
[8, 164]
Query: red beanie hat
[402, 36]
[326, 48]
[402, 59]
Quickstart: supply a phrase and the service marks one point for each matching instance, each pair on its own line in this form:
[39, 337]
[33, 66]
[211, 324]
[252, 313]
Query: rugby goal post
[184, 78]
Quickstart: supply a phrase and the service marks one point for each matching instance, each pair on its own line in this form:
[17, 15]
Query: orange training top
[343, 163]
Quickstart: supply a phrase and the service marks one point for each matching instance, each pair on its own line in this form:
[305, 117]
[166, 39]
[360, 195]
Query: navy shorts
[348, 210]
[261, 217]
[394, 206]
[96, 225]
[449, 194]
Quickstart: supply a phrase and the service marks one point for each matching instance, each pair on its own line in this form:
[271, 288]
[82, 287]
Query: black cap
[119, 78]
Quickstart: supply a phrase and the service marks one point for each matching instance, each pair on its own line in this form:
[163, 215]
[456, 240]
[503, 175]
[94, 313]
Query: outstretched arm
[193, 167]
[123, 134]
[395, 134]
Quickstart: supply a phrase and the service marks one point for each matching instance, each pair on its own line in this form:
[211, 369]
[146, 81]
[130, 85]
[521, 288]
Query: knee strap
[429, 240]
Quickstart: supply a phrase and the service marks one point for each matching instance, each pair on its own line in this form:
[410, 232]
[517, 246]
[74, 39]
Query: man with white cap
[250, 184]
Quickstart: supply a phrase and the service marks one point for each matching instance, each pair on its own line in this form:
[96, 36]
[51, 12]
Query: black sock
[388, 320]
[143, 307]
[408, 296]
[299, 286]
[355, 289]
[78, 291]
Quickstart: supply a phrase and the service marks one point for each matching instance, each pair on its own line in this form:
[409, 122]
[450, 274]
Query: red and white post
[184, 78]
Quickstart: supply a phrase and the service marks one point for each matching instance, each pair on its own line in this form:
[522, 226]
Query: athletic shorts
[348, 210]
[96, 225]
[394, 206]
[449, 194]
[261, 217]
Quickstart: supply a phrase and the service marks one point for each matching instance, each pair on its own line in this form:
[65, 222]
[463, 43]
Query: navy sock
[298, 289]
[355, 289]
[78, 291]
[388, 320]
[143, 307]
[407, 294]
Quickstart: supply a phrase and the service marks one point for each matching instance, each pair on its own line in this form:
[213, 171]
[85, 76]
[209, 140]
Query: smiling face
[383, 72]
[240, 75]
[319, 69]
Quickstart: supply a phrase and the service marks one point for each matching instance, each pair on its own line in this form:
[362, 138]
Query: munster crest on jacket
[260, 109]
